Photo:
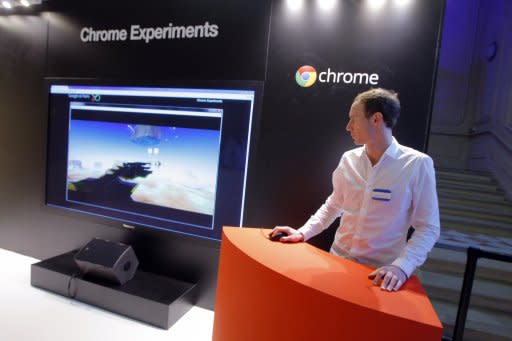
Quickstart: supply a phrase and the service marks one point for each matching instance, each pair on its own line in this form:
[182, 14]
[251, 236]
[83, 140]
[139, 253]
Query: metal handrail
[473, 254]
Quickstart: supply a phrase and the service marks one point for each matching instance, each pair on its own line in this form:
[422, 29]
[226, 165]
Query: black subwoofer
[108, 261]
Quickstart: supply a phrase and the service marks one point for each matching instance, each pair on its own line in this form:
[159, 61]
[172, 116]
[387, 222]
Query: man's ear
[377, 117]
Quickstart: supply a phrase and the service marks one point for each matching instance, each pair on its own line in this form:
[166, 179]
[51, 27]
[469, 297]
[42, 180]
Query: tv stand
[151, 298]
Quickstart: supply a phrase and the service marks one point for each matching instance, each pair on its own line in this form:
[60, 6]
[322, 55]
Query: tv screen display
[171, 158]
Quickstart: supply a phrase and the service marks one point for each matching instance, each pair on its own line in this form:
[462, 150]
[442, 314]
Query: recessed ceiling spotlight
[376, 4]
[402, 2]
[12, 4]
[295, 5]
[327, 4]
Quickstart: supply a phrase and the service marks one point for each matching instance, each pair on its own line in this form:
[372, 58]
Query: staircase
[474, 211]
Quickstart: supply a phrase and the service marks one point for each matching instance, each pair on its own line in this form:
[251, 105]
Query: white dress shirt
[378, 204]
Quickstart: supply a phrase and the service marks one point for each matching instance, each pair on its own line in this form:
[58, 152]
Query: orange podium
[276, 291]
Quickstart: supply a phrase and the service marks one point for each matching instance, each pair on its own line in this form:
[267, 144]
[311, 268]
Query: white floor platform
[28, 313]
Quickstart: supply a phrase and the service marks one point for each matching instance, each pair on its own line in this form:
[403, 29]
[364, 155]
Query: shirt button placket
[363, 211]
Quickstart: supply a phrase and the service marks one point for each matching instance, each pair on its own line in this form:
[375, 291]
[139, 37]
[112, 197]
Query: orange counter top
[277, 291]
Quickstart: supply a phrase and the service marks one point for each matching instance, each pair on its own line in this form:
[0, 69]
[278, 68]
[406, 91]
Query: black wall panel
[237, 52]
[49, 45]
[302, 130]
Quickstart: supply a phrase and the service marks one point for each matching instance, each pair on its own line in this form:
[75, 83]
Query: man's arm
[318, 222]
[324, 217]
[425, 219]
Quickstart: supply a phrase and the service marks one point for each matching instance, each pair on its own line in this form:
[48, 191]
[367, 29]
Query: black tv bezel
[254, 85]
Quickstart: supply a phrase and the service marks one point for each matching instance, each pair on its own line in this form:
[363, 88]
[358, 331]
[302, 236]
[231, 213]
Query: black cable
[78, 275]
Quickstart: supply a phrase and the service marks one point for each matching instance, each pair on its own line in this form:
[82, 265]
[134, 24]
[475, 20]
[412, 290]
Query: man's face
[359, 127]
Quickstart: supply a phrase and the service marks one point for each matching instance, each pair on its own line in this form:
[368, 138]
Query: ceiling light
[294, 5]
[13, 4]
[327, 4]
[376, 4]
[402, 2]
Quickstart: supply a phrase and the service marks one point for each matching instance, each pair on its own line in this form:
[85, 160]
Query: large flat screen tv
[171, 158]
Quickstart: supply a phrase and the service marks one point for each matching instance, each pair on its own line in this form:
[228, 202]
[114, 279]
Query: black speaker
[106, 260]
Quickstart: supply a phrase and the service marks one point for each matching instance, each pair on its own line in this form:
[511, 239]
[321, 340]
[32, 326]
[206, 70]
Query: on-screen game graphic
[118, 164]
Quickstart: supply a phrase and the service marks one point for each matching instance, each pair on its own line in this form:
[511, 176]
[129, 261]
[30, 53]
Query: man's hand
[392, 277]
[293, 236]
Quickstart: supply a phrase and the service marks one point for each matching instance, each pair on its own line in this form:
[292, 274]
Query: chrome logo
[305, 76]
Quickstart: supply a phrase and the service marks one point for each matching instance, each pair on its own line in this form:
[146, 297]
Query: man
[379, 189]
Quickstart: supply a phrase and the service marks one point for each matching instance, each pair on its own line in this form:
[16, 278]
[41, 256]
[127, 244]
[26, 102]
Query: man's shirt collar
[393, 150]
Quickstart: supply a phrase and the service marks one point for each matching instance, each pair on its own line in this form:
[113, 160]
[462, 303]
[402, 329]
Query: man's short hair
[383, 101]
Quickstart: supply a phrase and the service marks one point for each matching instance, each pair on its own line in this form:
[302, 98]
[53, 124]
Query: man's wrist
[300, 230]
[301, 235]
[399, 268]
